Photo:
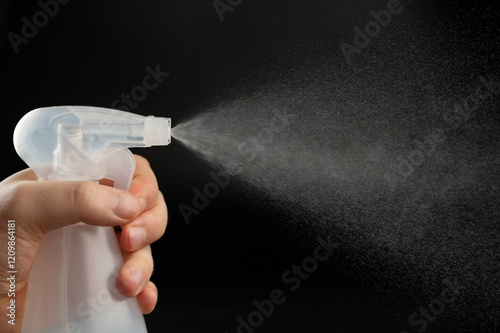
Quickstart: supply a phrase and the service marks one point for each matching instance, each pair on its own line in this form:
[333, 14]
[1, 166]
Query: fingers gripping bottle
[72, 282]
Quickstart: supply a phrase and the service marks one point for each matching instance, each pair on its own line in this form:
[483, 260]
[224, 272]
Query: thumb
[54, 204]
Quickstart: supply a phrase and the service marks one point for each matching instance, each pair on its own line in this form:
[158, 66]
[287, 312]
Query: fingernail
[120, 287]
[137, 237]
[125, 205]
[137, 276]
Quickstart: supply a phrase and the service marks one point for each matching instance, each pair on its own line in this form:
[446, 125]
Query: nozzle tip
[157, 131]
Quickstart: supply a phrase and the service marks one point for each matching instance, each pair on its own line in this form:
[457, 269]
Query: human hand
[40, 207]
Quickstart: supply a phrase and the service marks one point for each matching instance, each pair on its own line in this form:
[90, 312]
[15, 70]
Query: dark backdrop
[209, 272]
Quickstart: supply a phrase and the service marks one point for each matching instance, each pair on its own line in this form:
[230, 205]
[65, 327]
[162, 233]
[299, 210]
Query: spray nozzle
[71, 139]
[157, 131]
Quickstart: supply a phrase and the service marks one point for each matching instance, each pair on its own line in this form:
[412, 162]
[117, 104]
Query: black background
[209, 272]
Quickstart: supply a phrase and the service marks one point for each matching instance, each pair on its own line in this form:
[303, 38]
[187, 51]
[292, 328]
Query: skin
[40, 207]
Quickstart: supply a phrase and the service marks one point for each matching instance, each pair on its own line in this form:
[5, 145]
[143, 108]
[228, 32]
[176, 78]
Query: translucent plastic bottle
[72, 283]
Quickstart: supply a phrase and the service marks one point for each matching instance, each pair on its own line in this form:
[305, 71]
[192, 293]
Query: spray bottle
[72, 282]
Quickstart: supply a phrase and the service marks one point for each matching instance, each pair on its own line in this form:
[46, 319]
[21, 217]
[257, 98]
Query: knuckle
[152, 227]
[16, 194]
[163, 203]
[151, 186]
[145, 185]
[161, 197]
[150, 261]
[164, 221]
[20, 190]
[81, 195]
[160, 225]
[165, 210]
[143, 160]
[152, 266]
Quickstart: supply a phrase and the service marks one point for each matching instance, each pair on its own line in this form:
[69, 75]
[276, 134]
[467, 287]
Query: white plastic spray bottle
[72, 283]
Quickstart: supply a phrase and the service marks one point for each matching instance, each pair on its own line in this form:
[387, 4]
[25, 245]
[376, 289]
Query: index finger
[144, 184]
